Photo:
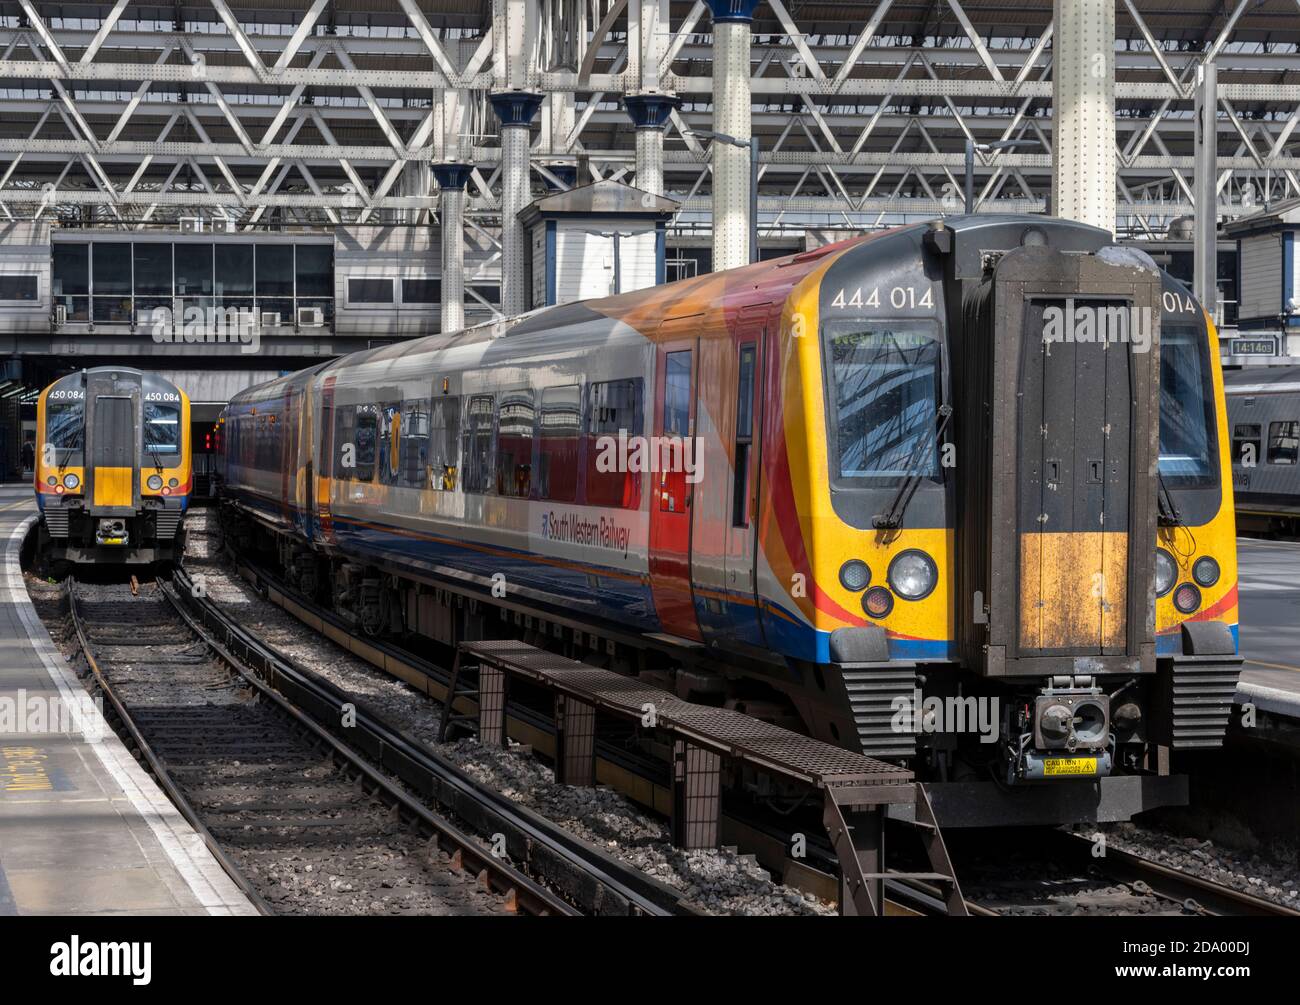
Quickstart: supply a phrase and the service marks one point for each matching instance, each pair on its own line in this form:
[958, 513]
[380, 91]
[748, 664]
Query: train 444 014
[954, 494]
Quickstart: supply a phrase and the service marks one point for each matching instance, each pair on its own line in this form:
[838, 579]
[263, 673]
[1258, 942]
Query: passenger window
[515, 444]
[478, 444]
[414, 458]
[615, 409]
[387, 456]
[677, 431]
[1246, 444]
[561, 423]
[744, 437]
[364, 436]
[1283, 442]
[444, 443]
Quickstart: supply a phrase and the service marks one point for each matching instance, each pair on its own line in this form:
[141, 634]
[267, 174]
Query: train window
[515, 444]
[1186, 408]
[478, 441]
[414, 458]
[884, 389]
[233, 265]
[444, 443]
[615, 408]
[162, 428]
[64, 428]
[559, 429]
[369, 291]
[744, 437]
[1246, 444]
[153, 269]
[1283, 442]
[19, 289]
[421, 292]
[388, 450]
[364, 434]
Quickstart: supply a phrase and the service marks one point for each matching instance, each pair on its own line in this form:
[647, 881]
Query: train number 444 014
[900, 298]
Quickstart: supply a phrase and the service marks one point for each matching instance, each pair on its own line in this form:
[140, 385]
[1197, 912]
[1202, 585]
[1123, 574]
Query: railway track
[300, 819]
[1120, 883]
[1060, 875]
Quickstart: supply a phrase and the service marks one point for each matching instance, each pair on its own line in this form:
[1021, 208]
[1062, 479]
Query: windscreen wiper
[1167, 515]
[893, 515]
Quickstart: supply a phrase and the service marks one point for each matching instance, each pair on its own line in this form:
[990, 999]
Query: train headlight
[1205, 571]
[173, 482]
[1187, 598]
[855, 575]
[1166, 572]
[913, 574]
[51, 480]
[154, 482]
[877, 602]
[70, 482]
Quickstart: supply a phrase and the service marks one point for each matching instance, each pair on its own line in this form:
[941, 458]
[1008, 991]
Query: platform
[83, 828]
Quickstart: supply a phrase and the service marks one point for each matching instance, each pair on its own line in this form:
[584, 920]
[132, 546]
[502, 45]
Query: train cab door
[742, 488]
[672, 427]
[113, 445]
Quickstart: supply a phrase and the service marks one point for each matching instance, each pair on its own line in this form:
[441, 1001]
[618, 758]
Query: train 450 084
[954, 494]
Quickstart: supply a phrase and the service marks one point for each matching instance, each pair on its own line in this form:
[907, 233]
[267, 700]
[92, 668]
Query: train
[1264, 416]
[953, 494]
[113, 468]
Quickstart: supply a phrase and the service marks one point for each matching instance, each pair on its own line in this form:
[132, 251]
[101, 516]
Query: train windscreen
[162, 428]
[1187, 437]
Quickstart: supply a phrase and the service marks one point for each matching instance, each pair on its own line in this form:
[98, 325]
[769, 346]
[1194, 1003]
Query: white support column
[451, 207]
[516, 37]
[649, 113]
[1205, 230]
[1083, 110]
[732, 36]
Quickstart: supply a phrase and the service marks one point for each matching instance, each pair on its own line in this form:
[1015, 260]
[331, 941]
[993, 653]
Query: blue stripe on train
[599, 590]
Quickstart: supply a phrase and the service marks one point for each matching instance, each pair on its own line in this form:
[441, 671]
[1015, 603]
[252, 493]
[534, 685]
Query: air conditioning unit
[60, 315]
[310, 317]
[270, 319]
[222, 225]
[191, 225]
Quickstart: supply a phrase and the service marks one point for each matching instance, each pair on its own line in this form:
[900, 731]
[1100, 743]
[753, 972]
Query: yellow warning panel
[113, 487]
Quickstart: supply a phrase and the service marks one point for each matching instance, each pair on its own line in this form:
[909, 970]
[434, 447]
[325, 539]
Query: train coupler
[1063, 733]
[112, 531]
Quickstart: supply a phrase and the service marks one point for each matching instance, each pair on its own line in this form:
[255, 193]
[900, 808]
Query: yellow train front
[113, 467]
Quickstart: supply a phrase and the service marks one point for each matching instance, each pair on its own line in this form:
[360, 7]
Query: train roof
[1261, 380]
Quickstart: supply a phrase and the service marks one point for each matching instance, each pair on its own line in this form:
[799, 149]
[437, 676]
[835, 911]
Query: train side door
[671, 493]
[742, 488]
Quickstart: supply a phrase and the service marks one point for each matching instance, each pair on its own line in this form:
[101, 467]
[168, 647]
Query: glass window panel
[515, 444]
[234, 265]
[153, 270]
[885, 385]
[414, 461]
[194, 270]
[1283, 442]
[24, 289]
[478, 444]
[71, 269]
[162, 428]
[444, 442]
[370, 291]
[275, 270]
[421, 291]
[114, 310]
[558, 455]
[112, 268]
[315, 270]
[615, 407]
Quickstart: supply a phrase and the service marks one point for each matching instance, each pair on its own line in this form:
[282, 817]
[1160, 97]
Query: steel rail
[520, 890]
[154, 764]
[589, 876]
